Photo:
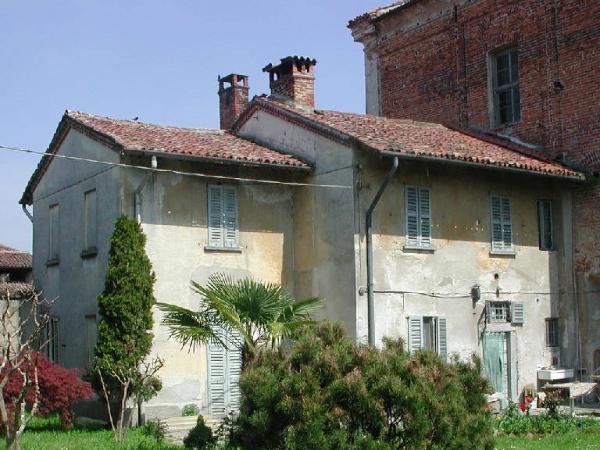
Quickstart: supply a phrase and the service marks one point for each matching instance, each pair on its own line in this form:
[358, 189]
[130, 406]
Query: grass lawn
[47, 434]
[585, 439]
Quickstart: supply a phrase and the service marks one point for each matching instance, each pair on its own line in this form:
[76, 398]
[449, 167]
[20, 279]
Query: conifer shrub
[327, 393]
[200, 437]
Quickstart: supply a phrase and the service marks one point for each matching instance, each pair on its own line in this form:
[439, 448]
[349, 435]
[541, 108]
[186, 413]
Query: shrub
[190, 410]
[156, 429]
[60, 389]
[329, 393]
[200, 436]
[513, 422]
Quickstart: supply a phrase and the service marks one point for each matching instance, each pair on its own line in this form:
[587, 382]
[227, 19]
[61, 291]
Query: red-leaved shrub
[60, 389]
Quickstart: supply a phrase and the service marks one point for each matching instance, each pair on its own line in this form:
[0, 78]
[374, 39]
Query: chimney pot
[293, 79]
[233, 98]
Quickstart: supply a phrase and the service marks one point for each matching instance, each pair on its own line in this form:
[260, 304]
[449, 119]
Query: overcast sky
[154, 59]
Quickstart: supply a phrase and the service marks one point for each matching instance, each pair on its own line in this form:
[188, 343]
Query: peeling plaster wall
[174, 218]
[323, 216]
[461, 236]
[75, 282]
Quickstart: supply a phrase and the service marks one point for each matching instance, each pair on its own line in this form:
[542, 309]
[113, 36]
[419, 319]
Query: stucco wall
[174, 218]
[75, 281]
[461, 237]
[323, 216]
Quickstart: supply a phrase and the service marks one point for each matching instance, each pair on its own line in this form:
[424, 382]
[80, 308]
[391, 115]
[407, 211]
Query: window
[53, 233]
[90, 340]
[418, 217]
[546, 238]
[498, 312]
[223, 227]
[89, 226]
[501, 225]
[505, 83]
[50, 342]
[552, 332]
[428, 333]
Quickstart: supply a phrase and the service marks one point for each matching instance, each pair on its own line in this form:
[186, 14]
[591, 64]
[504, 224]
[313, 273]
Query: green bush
[199, 437]
[329, 393]
[190, 410]
[513, 422]
[156, 429]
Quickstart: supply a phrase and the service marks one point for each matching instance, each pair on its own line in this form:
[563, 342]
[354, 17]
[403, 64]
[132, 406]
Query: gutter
[26, 211]
[579, 178]
[369, 239]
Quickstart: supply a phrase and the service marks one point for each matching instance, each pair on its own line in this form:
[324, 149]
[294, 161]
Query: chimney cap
[232, 77]
[287, 62]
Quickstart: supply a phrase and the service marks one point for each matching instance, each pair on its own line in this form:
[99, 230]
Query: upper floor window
[502, 239]
[505, 86]
[89, 226]
[546, 232]
[53, 233]
[223, 224]
[418, 217]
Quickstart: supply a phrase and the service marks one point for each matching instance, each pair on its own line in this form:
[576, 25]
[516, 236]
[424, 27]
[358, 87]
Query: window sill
[89, 252]
[208, 248]
[417, 249]
[52, 262]
[503, 253]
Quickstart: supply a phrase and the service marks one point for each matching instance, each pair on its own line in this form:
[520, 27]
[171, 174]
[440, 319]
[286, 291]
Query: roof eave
[214, 160]
[577, 178]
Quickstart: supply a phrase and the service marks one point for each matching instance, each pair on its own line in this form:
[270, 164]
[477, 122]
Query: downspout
[369, 231]
[26, 211]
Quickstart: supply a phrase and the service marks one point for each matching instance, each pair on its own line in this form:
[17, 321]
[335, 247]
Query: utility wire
[170, 171]
[459, 295]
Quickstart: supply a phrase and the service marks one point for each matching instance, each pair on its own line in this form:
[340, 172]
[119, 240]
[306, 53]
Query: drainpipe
[369, 231]
[27, 213]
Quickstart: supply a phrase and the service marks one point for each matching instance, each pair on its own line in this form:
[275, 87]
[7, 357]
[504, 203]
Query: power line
[174, 172]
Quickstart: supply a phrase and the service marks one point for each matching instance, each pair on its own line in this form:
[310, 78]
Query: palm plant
[246, 314]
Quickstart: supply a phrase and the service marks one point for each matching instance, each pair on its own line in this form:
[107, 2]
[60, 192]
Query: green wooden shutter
[412, 216]
[442, 336]
[506, 224]
[230, 216]
[216, 378]
[424, 218]
[215, 215]
[497, 241]
[415, 333]
[517, 313]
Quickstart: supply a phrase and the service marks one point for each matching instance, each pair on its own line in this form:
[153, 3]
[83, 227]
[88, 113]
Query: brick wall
[298, 87]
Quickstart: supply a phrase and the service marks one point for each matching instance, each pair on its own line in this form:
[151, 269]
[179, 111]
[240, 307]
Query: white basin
[555, 374]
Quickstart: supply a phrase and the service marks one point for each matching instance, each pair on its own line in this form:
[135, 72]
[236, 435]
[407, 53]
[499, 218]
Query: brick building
[524, 69]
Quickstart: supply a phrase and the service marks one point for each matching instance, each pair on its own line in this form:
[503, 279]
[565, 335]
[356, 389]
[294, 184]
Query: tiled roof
[419, 139]
[15, 291]
[381, 11]
[133, 136]
[14, 259]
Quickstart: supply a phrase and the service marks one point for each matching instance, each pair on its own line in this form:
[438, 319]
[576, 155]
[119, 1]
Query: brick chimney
[233, 98]
[293, 79]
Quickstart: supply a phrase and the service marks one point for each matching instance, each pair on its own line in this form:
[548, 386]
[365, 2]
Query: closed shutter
[415, 333]
[506, 224]
[488, 312]
[425, 217]
[216, 378]
[517, 312]
[215, 215]
[230, 216]
[234, 370]
[442, 335]
[501, 224]
[412, 217]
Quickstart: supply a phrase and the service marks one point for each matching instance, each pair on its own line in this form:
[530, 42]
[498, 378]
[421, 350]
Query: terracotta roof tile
[16, 290]
[422, 139]
[214, 144]
[14, 259]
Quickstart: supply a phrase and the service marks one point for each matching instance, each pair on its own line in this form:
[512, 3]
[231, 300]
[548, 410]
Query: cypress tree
[125, 305]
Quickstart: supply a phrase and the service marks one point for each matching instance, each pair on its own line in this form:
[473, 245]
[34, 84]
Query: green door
[495, 356]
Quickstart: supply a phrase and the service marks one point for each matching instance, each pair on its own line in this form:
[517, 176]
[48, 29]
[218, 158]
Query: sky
[154, 59]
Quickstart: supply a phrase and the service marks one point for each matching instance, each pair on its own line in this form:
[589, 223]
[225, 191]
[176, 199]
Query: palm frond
[190, 328]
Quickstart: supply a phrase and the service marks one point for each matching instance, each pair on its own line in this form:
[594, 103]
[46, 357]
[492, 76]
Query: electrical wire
[174, 172]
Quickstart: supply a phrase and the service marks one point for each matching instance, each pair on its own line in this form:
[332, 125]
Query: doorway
[496, 359]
